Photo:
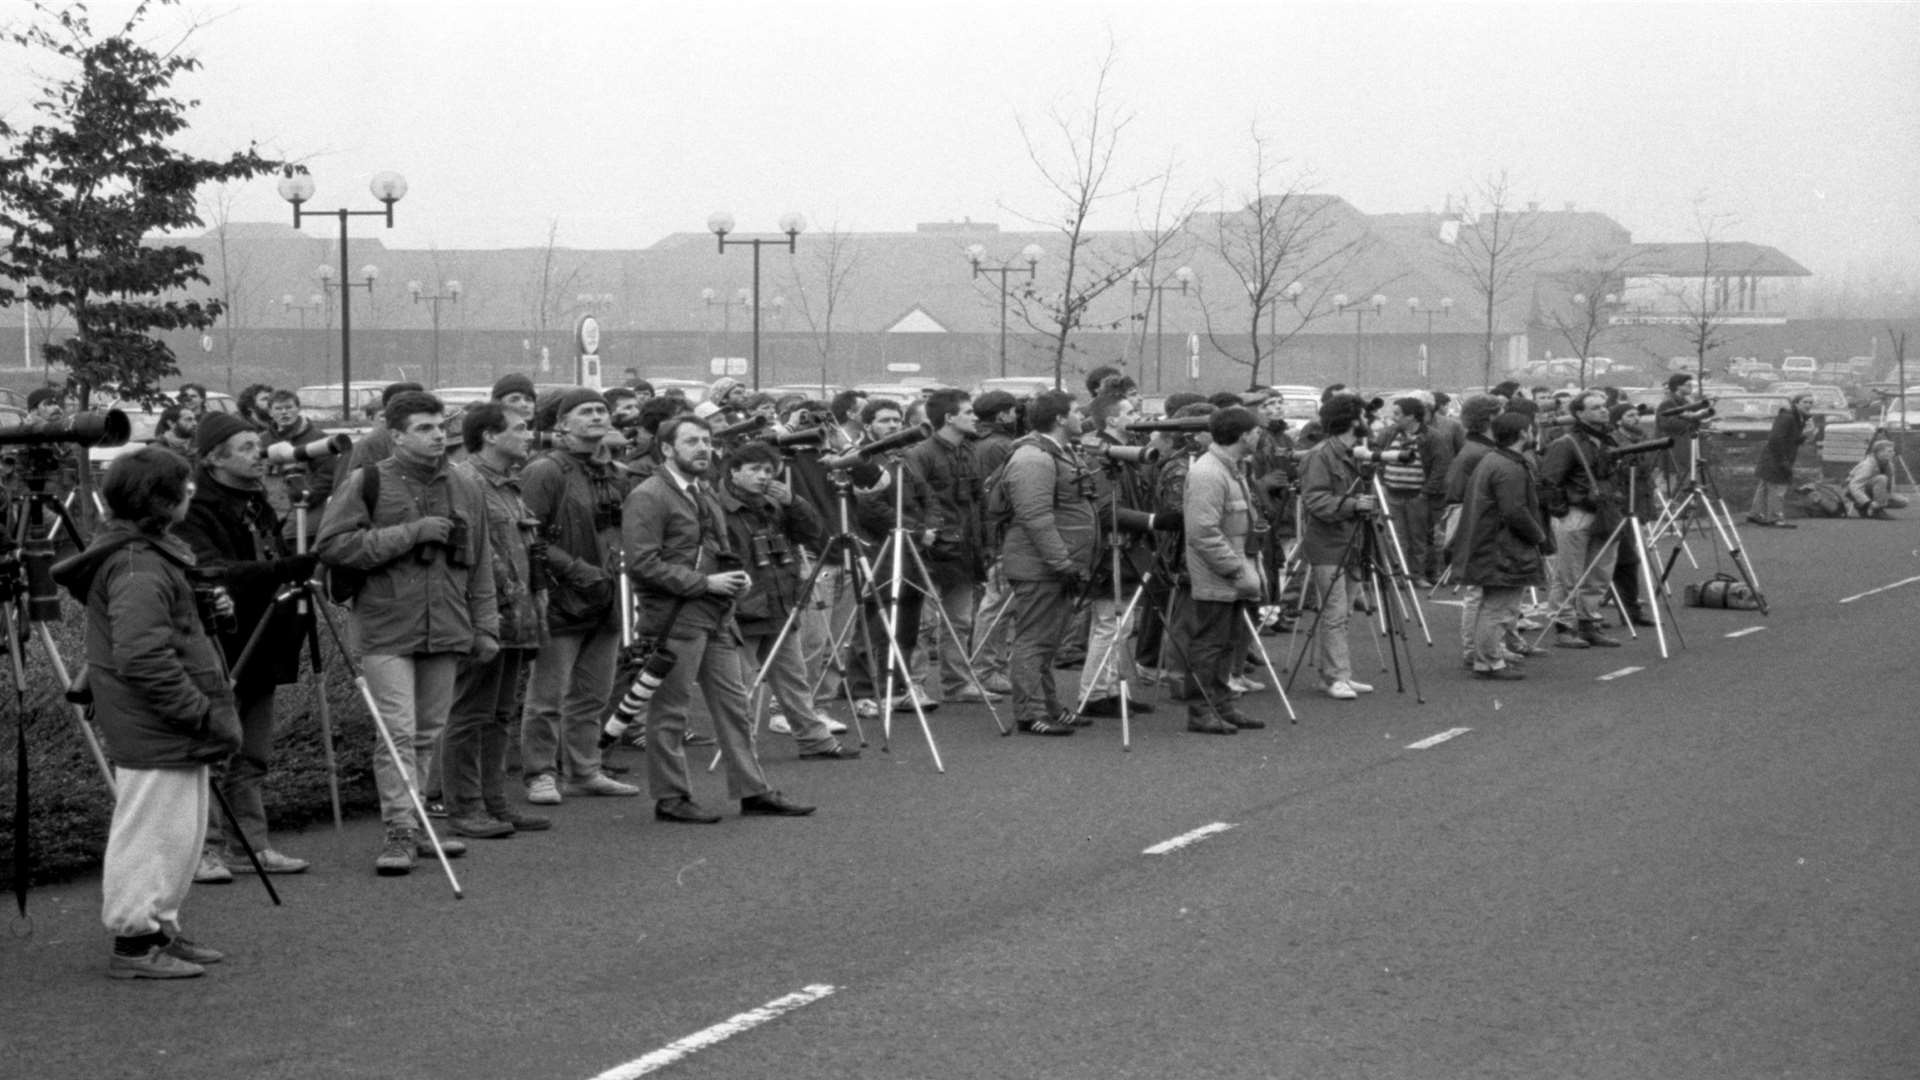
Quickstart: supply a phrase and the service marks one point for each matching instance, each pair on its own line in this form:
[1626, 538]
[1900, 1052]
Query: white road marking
[1748, 630]
[1881, 589]
[1449, 603]
[1436, 740]
[1623, 672]
[726, 1029]
[1184, 839]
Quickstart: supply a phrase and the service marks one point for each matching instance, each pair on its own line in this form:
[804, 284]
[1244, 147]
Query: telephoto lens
[645, 685]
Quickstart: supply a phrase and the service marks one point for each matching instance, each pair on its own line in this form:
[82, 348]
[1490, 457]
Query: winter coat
[1577, 473]
[418, 598]
[1460, 469]
[320, 474]
[1052, 535]
[954, 495]
[763, 609]
[1783, 446]
[519, 587]
[577, 501]
[875, 510]
[1502, 539]
[159, 687]
[1329, 497]
[233, 529]
[1128, 485]
[673, 543]
[1219, 519]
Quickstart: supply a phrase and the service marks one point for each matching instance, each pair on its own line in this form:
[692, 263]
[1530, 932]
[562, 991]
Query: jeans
[414, 695]
[995, 623]
[1042, 611]
[1575, 549]
[1412, 517]
[1496, 617]
[1331, 656]
[153, 848]
[243, 776]
[711, 660]
[787, 679]
[572, 679]
[954, 675]
[1769, 502]
[1109, 655]
[479, 729]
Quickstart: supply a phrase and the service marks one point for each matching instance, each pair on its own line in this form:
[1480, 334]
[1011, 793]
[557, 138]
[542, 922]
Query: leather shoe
[1639, 618]
[1104, 707]
[772, 804]
[684, 810]
[1243, 721]
[1210, 725]
[1502, 674]
[837, 753]
[1599, 640]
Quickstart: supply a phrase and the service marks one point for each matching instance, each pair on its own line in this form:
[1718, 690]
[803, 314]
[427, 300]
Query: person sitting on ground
[1870, 484]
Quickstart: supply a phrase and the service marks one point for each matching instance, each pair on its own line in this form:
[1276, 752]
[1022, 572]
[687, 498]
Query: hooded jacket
[1053, 531]
[775, 591]
[577, 499]
[234, 530]
[159, 687]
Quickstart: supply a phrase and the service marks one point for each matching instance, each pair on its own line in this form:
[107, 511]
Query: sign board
[728, 365]
[904, 369]
[206, 342]
[587, 335]
[546, 359]
[1193, 356]
[1423, 362]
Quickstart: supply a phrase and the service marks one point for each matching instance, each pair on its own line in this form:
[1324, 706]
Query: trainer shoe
[777, 723]
[480, 826]
[543, 790]
[1342, 691]
[834, 727]
[155, 963]
[1045, 727]
[998, 684]
[1364, 688]
[1240, 684]
[396, 854]
[772, 804]
[184, 948]
[905, 702]
[271, 861]
[211, 871]
[436, 808]
[599, 784]
[867, 709]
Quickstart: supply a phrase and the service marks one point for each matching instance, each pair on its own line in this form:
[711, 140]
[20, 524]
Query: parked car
[322, 402]
[1799, 367]
[1020, 386]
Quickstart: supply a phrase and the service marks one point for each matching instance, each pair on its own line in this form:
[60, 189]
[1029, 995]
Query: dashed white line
[1881, 589]
[1622, 673]
[1436, 740]
[1184, 839]
[726, 1029]
[1748, 630]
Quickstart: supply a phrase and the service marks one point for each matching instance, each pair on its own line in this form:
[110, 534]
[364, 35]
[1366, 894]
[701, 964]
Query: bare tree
[233, 267]
[1078, 165]
[1284, 250]
[1707, 310]
[551, 291]
[1498, 245]
[1589, 295]
[834, 257]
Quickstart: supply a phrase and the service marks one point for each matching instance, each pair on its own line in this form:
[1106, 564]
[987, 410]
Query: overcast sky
[1798, 123]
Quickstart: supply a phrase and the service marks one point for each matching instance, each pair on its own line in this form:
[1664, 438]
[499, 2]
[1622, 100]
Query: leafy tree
[80, 189]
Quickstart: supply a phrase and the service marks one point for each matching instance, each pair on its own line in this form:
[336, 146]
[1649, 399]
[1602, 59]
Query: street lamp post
[1157, 299]
[296, 186]
[314, 302]
[451, 293]
[1376, 304]
[1426, 346]
[325, 274]
[1031, 253]
[720, 224]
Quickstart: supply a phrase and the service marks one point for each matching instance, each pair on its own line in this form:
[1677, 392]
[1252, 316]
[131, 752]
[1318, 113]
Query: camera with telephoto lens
[646, 683]
[209, 589]
[1365, 454]
[1121, 455]
[771, 549]
[1664, 442]
[805, 439]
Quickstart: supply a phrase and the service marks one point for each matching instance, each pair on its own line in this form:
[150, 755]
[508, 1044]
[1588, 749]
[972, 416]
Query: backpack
[1722, 591]
[1824, 500]
[344, 582]
[996, 502]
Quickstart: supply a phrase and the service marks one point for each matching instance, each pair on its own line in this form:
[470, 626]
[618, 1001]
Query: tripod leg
[233, 823]
[897, 661]
[79, 712]
[959, 647]
[1267, 659]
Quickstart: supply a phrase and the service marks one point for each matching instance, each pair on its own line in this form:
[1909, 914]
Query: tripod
[1678, 517]
[1657, 592]
[1361, 558]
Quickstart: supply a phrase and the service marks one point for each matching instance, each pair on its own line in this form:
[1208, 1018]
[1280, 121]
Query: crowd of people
[536, 580]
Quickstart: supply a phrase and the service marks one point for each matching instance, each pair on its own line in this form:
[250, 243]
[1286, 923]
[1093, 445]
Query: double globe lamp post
[1376, 304]
[296, 186]
[720, 224]
[447, 293]
[1157, 299]
[1031, 253]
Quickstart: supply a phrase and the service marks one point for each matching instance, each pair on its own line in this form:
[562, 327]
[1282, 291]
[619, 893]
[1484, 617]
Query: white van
[1799, 367]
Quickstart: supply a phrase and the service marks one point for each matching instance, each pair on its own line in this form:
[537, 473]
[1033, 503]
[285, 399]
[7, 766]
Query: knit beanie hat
[45, 393]
[514, 383]
[573, 398]
[216, 428]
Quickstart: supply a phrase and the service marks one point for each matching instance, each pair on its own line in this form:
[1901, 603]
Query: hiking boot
[1243, 721]
[155, 963]
[211, 871]
[396, 854]
[524, 822]
[1592, 636]
[480, 826]
[1210, 725]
